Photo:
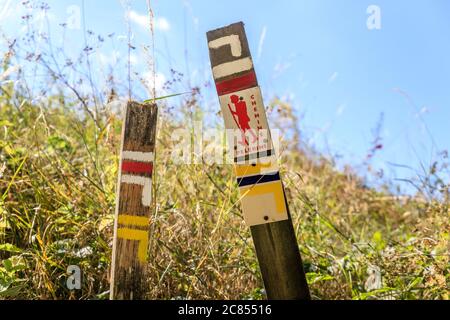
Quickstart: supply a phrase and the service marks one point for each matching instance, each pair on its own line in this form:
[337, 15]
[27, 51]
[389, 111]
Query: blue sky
[339, 75]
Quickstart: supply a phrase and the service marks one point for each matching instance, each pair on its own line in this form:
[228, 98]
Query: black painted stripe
[246, 181]
[256, 155]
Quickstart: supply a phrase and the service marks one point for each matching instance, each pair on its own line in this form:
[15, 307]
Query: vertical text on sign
[262, 194]
[244, 112]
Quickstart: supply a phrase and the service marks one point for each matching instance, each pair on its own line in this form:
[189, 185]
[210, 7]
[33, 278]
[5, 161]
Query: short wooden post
[263, 199]
[134, 201]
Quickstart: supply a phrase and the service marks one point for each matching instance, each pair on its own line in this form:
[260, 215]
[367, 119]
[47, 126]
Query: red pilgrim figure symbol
[243, 120]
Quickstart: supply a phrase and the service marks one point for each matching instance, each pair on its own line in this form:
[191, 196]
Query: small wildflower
[374, 281]
[84, 252]
[2, 169]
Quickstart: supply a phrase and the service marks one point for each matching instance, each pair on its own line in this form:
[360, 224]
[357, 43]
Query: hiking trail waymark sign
[263, 198]
[244, 114]
[133, 207]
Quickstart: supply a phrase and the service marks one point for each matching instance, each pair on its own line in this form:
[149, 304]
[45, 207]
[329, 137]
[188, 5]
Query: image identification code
[225, 309]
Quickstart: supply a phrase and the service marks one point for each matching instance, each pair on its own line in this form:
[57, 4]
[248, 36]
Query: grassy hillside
[58, 170]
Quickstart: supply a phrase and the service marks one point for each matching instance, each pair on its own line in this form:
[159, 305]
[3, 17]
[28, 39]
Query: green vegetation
[59, 143]
[58, 173]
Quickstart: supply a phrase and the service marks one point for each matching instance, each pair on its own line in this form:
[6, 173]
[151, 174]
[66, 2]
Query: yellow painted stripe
[137, 235]
[275, 188]
[258, 168]
[129, 220]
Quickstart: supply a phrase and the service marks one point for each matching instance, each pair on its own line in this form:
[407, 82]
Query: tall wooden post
[133, 204]
[263, 199]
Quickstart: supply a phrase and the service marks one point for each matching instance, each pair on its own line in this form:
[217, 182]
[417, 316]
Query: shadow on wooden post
[133, 202]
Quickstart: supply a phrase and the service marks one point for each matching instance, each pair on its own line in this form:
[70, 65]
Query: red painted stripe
[137, 167]
[246, 81]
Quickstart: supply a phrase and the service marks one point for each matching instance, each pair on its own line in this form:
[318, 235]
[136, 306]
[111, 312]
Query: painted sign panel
[133, 209]
[261, 189]
[262, 194]
[263, 199]
[243, 111]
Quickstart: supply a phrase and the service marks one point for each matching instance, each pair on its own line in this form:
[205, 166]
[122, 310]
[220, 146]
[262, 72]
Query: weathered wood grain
[133, 205]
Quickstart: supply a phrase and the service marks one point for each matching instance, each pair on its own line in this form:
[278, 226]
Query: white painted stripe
[142, 181]
[232, 40]
[128, 178]
[138, 156]
[228, 68]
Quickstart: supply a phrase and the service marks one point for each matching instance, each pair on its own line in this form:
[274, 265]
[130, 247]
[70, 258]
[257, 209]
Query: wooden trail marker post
[133, 204]
[263, 199]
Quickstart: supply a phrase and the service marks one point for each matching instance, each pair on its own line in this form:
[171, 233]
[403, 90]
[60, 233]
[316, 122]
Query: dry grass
[58, 168]
[57, 206]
